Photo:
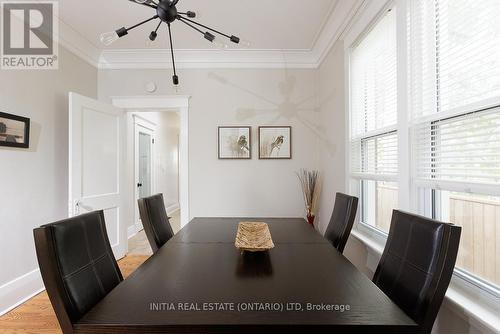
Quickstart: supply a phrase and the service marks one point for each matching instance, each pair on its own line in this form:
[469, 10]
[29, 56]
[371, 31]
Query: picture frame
[234, 142]
[275, 142]
[14, 131]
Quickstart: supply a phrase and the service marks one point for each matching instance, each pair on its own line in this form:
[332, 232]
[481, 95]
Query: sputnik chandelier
[166, 12]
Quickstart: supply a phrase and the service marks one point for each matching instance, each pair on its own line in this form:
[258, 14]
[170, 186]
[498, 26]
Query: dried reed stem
[310, 183]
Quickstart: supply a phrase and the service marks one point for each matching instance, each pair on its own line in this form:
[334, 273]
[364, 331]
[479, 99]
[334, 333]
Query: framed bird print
[235, 142]
[275, 142]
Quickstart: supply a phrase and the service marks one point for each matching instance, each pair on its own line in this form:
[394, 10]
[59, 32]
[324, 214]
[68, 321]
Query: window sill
[480, 308]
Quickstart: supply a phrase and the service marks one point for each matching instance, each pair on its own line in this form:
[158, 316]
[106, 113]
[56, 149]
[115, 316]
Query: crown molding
[74, 42]
[158, 59]
[336, 29]
[342, 14]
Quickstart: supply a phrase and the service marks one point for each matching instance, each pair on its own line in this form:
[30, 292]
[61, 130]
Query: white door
[96, 165]
[144, 165]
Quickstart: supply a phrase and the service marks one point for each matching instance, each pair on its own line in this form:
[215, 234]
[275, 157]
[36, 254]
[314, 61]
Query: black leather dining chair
[77, 265]
[417, 265]
[343, 216]
[155, 221]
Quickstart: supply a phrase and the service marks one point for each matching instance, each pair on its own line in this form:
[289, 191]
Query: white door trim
[179, 103]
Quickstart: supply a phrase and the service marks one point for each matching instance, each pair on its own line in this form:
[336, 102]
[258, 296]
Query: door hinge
[153, 140]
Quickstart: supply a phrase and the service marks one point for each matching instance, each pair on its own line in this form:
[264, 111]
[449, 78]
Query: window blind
[463, 149]
[373, 88]
[374, 79]
[375, 158]
[454, 72]
[454, 48]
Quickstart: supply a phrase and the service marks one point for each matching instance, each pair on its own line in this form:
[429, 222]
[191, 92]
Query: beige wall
[249, 97]
[166, 159]
[34, 182]
[332, 143]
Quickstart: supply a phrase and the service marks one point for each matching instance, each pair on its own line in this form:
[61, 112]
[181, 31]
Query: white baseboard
[173, 208]
[133, 230]
[19, 290]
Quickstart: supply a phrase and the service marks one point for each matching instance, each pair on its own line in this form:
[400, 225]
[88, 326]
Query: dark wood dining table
[198, 282]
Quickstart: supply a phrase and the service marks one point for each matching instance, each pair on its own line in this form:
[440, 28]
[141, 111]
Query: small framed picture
[14, 131]
[275, 142]
[235, 142]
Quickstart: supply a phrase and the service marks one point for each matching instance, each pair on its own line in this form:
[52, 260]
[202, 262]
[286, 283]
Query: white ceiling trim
[339, 21]
[157, 59]
[335, 29]
[73, 41]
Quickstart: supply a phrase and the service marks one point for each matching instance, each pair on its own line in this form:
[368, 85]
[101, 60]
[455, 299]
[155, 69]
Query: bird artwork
[235, 143]
[276, 144]
[243, 144]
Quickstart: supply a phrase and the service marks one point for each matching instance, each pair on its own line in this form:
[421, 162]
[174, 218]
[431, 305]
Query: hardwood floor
[36, 315]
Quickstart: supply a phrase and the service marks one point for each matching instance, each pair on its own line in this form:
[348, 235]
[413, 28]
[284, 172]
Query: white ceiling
[268, 24]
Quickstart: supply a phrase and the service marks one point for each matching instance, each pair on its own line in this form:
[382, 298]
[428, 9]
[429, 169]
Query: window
[454, 72]
[479, 217]
[379, 199]
[449, 123]
[374, 146]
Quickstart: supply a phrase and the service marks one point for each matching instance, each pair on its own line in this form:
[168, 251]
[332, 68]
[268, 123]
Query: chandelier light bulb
[141, 1]
[244, 43]
[109, 38]
[177, 88]
[149, 43]
[219, 43]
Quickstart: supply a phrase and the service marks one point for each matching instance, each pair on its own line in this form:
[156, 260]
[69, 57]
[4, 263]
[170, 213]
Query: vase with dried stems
[310, 183]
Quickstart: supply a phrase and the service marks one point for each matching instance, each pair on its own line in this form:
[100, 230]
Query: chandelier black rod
[158, 27]
[190, 25]
[206, 27]
[188, 13]
[143, 22]
[175, 78]
[144, 4]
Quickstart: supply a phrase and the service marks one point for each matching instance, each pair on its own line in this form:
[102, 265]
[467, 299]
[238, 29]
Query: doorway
[140, 106]
[156, 168]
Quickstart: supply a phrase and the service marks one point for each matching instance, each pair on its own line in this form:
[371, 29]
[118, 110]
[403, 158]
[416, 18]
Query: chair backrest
[77, 265]
[343, 216]
[417, 265]
[155, 221]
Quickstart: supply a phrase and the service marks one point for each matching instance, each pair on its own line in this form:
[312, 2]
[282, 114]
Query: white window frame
[411, 198]
[380, 8]
[352, 176]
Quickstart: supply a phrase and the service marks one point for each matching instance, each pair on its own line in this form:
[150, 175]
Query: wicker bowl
[253, 237]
